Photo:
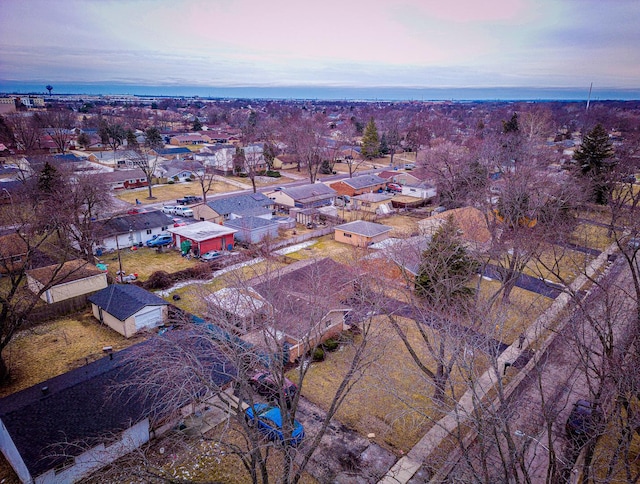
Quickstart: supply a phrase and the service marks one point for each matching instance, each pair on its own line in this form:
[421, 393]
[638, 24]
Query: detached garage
[128, 309]
[204, 236]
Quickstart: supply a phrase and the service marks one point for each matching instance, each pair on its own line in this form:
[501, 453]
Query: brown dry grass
[170, 193]
[592, 236]
[53, 348]
[392, 399]
[505, 322]
[145, 261]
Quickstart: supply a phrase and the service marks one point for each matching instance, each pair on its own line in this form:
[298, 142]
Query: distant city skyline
[410, 44]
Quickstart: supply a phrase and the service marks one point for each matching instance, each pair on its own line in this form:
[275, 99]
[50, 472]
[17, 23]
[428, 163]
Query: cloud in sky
[417, 43]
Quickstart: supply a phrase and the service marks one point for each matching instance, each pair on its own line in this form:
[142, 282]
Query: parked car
[268, 421]
[634, 243]
[168, 209]
[394, 187]
[264, 383]
[183, 211]
[583, 421]
[212, 254]
[409, 166]
[159, 240]
[188, 199]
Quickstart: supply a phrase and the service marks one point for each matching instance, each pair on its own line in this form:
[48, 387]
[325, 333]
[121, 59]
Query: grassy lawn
[505, 322]
[145, 261]
[593, 236]
[327, 247]
[558, 264]
[53, 348]
[170, 193]
[374, 404]
[392, 399]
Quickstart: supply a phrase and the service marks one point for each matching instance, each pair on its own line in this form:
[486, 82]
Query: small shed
[361, 233]
[254, 229]
[373, 202]
[71, 279]
[127, 308]
[204, 236]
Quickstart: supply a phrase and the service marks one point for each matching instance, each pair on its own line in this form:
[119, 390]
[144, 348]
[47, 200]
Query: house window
[164, 227]
[148, 231]
[16, 258]
[132, 181]
[347, 235]
[412, 189]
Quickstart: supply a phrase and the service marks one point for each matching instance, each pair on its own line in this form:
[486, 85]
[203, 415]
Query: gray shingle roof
[124, 300]
[362, 227]
[249, 223]
[364, 181]
[310, 192]
[240, 203]
[138, 221]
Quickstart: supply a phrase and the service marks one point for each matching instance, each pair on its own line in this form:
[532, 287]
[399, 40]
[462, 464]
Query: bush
[274, 174]
[159, 280]
[318, 354]
[330, 345]
[170, 182]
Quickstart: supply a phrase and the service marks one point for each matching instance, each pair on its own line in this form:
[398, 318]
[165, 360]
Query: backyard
[50, 349]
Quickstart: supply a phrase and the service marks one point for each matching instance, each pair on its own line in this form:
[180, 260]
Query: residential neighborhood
[429, 288]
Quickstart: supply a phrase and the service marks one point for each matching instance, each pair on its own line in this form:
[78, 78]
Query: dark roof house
[124, 300]
[65, 428]
[242, 205]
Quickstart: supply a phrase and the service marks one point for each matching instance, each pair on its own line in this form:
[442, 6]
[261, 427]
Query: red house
[204, 236]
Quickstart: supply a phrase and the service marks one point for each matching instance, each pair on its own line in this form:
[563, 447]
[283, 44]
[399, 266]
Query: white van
[183, 211]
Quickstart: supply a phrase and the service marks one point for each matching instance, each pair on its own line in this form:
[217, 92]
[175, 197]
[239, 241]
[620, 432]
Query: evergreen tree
[595, 163]
[239, 161]
[197, 125]
[511, 126]
[84, 140]
[370, 141]
[48, 178]
[384, 146]
[445, 268]
[132, 141]
[153, 138]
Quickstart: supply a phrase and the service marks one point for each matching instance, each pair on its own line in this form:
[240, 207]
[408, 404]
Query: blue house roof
[124, 300]
[173, 151]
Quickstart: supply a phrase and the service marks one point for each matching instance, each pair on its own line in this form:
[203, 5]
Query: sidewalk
[405, 468]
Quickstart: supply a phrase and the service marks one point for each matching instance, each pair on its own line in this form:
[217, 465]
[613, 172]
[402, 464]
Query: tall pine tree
[594, 157]
[370, 141]
[445, 268]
